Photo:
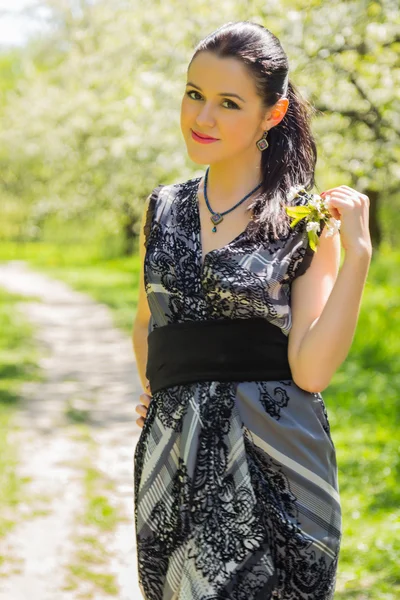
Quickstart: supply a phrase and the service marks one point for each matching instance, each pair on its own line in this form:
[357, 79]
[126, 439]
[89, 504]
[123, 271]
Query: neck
[228, 182]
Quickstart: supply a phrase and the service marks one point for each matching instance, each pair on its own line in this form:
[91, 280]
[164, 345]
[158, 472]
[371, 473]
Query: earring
[263, 144]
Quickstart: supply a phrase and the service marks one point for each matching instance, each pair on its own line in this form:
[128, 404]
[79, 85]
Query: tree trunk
[129, 238]
[374, 226]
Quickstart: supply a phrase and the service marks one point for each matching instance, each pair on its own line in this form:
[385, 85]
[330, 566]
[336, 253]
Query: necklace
[216, 218]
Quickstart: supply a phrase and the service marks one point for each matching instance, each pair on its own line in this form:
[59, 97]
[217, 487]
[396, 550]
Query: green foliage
[90, 116]
[363, 401]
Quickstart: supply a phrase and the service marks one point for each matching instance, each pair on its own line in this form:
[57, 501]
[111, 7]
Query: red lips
[204, 137]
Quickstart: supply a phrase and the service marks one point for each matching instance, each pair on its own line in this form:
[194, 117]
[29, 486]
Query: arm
[141, 322]
[325, 309]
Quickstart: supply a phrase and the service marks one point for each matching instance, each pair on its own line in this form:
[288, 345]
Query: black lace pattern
[236, 490]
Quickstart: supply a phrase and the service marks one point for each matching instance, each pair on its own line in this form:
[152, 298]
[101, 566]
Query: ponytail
[288, 161]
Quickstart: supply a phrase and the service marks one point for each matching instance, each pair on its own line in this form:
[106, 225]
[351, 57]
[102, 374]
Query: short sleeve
[301, 253]
[150, 213]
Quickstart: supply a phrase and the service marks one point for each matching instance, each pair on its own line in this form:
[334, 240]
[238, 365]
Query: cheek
[184, 118]
[187, 111]
[238, 128]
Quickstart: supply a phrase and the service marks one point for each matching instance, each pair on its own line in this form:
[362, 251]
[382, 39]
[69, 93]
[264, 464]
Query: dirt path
[76, 434]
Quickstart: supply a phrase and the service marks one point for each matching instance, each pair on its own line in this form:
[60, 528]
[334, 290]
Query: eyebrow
[221, 94]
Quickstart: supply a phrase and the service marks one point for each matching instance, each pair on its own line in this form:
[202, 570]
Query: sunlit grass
[111, 281]
[17, 364]
[10, 486]
[363, 401]
[17, 349]
[98, 519]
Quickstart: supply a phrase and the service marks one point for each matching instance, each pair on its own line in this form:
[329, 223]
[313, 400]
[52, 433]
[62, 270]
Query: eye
[233, 104]
[192, 92]
[232, 107]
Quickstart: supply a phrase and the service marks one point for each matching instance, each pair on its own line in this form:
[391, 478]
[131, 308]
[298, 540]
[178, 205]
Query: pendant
[216, 218]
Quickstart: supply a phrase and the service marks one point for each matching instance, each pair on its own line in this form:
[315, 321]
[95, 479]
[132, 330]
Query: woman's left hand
[352, 208]
[142, 409]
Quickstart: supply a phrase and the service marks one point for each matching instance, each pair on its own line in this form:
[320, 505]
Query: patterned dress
[236, 486]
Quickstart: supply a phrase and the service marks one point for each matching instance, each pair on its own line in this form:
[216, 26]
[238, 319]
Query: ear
[276, 113]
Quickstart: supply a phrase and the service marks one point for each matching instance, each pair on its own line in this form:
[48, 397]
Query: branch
[375, 124]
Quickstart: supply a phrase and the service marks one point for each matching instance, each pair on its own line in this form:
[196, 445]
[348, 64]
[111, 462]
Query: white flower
[332, 226]
[315, 201]
[325, 200]
[313, 226]
[314, 211]
[293, 191]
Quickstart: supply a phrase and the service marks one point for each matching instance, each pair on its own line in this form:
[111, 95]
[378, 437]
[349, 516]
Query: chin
[198, 160]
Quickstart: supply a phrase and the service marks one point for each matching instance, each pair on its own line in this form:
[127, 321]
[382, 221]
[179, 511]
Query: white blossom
[325, 200]
[293, 191]
[315, 201]
[332, 226]
[313, 226]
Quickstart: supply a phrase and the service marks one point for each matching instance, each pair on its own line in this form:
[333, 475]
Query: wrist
[359, 253]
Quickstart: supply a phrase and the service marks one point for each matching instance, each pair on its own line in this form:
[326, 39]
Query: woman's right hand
[142, 408]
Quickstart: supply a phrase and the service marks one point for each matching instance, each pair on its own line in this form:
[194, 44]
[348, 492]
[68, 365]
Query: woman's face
[221, 101]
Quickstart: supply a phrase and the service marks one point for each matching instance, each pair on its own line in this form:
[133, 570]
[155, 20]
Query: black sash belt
[250, 349]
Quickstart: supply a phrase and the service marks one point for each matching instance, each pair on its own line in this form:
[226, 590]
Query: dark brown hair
[291, 156]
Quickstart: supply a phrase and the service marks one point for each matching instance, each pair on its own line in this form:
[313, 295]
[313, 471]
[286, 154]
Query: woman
[240, 326]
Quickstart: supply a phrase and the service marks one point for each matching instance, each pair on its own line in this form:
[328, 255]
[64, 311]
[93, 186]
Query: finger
[328, 192]
[340, 199]
[336, 194]
[145, 399]
[142, 410]
[349, 189]
[140, 422]
[351, 194]
[148, 387]
[341, 195]
[339, 188]
[333, 211]
[335, 214]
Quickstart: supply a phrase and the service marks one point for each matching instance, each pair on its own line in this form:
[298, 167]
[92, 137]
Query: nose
[205, 117]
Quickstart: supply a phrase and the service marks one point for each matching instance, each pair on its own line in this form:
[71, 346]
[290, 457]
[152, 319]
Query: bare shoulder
[310, 291]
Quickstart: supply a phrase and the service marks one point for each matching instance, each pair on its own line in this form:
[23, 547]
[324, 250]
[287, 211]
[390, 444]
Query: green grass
[113, 281]
[363, 402]
[17, 349]
[10, 486]
[18, 363]
[98, 519]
